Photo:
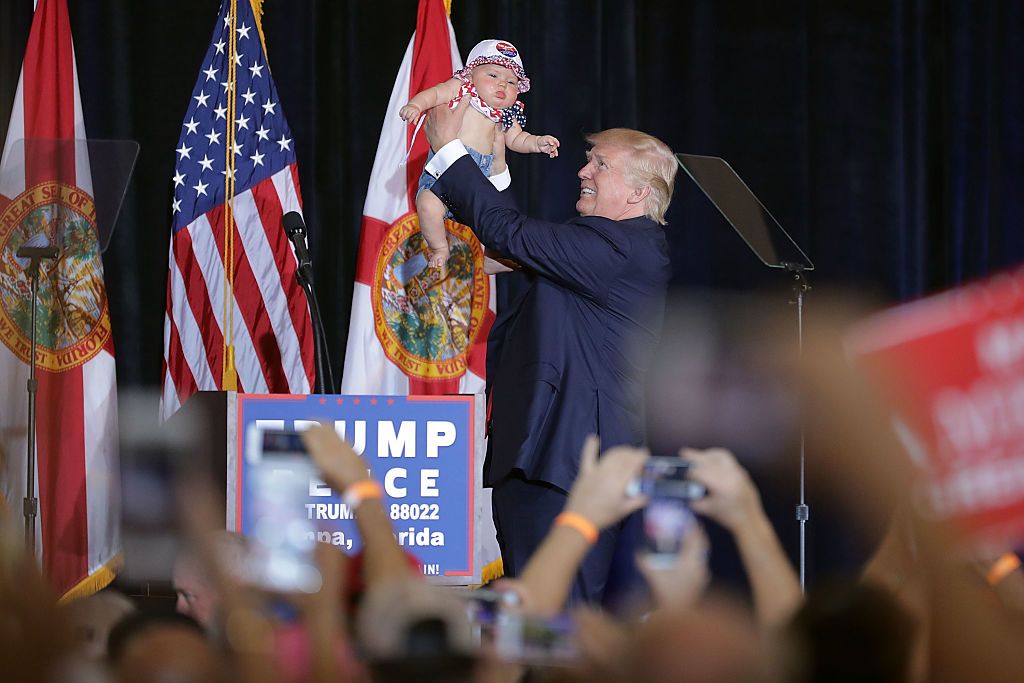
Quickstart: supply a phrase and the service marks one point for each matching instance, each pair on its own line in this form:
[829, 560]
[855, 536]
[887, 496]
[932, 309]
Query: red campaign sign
[952, 366]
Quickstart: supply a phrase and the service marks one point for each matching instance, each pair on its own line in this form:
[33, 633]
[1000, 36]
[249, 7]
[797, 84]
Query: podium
[427, 451]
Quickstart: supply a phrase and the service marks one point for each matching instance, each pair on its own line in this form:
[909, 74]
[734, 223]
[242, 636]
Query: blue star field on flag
[263, 141]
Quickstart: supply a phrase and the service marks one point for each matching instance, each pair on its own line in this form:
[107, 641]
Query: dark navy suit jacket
[576, 351]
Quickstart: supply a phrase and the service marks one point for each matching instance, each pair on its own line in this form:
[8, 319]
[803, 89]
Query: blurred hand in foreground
[600, 493]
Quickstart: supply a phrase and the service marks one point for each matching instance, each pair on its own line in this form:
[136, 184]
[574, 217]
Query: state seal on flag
[427, 320]
[72, 319]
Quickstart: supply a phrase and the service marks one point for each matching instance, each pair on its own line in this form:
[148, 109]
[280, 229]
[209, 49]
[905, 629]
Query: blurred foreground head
[852, 631]
[194, 584]
[92, 619]
[164, 648]
[410, 630]
[713, 644]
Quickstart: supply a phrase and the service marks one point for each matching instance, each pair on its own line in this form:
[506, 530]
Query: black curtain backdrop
[884, 136]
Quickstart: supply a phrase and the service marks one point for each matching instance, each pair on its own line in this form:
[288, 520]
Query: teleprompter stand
[776, 249]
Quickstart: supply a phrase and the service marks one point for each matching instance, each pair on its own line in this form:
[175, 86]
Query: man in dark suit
[575, 353]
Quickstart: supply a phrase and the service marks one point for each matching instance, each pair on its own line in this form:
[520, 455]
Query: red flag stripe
[62, 492]
[196, 296]
[170, 330]
[431, 64]
[440, 387]
[477, 360]
[295, 181]
[179, 369]
[372, 233]
[49, 93]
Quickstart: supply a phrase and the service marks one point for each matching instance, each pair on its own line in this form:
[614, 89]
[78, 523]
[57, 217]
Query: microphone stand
[304, 274]
[30, 504]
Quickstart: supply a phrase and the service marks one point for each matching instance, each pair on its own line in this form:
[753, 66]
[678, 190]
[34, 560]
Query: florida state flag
[46, 198]
[413, 329]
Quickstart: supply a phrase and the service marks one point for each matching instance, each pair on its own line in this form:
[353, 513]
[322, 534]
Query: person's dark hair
[852, 631]
[138, 623]
[427, 656]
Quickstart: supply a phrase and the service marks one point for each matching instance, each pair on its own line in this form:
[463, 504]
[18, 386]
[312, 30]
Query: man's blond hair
[650, 164]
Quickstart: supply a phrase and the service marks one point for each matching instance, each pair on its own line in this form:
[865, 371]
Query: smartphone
[668, 477]
[158, 463]
[483, 606]
[281, 535]
[667, 521]
[536, 641]
[667, 518]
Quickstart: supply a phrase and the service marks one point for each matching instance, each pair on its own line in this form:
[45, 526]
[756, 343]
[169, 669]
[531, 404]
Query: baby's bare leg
[431, 211]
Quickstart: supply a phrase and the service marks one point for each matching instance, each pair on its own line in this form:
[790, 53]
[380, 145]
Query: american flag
[234, 287]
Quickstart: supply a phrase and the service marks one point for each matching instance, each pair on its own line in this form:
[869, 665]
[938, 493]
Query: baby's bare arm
[518, 140]
[441, 93]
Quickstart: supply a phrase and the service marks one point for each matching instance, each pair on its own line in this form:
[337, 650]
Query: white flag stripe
[386, 198]
[367, 369]
[268, 279]
[189, 334]
[83, 169]
[101, 461]
[287, 193]
[12, 166]
[169, 402]
[472, 383]
[13, 433]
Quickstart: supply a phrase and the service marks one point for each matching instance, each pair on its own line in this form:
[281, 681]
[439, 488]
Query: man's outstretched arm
[575, 255]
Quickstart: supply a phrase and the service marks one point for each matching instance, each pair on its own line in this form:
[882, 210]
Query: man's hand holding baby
[443, 124]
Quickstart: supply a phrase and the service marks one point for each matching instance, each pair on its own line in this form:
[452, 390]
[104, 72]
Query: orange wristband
[580, 523]
[1003, 567]
[361, 490]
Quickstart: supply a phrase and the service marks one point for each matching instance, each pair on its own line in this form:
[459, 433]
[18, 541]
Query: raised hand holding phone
[732, 499]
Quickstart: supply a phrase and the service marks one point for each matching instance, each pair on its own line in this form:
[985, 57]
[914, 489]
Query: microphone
[296, 230]
[37, 252]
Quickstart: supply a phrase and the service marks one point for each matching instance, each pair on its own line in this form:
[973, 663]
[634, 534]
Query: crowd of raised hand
[922, 609]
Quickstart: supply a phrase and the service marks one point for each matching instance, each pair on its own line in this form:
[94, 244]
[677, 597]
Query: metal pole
[31, 503]
[802, 511]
